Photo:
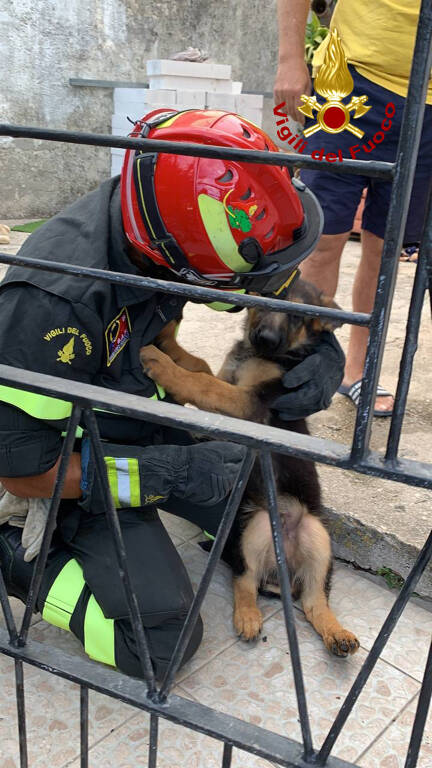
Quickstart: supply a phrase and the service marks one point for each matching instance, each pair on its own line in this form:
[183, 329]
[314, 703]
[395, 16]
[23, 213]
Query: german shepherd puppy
[250, 379]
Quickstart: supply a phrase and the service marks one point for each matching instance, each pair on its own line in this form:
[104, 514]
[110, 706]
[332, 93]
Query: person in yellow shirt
[377, 39]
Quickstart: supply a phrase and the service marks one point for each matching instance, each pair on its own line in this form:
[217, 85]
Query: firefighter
[202, 221]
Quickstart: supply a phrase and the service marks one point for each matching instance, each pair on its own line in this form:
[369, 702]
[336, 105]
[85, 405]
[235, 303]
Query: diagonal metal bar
[376, 650]
[285, 584]
[411, 337]
[84, 732]
[227, 756]
[20, 699]
[41, 559]
[376, 168]
[216, 551]
[114, 526]
[7, 612]
[421, 714]
[407, 153]
[153, 741]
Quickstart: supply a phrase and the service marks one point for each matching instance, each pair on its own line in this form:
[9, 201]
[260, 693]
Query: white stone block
[116, 165]
[254, 115]
[124, 97]
[171, 82]
[118, 152]
[249, 101]
[195, 98]
[225, 101]
[189, 69]
[236, 86]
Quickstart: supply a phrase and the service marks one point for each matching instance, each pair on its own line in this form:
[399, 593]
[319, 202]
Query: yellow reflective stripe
[38, 406]
[98, 634]
[160, 392]
[134, 483]
[215, 222]
[112, 479]
[220, 306]
[63, 596]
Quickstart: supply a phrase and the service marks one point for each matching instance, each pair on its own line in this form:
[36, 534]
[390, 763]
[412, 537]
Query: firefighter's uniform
[91, 331]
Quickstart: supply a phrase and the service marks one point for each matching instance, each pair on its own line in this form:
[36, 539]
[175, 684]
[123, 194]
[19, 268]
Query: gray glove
[30, 515]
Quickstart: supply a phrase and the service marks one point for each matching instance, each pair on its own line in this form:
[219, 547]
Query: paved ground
[380, 521]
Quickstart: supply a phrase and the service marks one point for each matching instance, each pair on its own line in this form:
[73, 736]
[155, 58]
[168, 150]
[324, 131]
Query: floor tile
[179, 747]
[18, 609]
[362, 606]
[389, 751]
[52, 707]
[256, 683]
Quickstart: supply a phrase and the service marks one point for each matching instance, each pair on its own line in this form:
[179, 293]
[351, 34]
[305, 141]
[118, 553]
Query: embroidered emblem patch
[66, 354]
[76, 333]
[117, 335]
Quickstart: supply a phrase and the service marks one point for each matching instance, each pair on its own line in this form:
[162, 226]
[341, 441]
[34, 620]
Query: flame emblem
[334, 83]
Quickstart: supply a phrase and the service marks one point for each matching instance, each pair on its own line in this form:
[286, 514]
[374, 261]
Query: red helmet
[211, 221]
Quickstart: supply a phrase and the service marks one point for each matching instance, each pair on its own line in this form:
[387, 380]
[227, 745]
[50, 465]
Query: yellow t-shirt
[378, 38]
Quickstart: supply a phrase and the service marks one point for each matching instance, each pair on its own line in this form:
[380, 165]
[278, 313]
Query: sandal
[353, 392]
[409, 254]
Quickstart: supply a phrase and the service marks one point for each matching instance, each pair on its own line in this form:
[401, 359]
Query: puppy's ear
[325, 323]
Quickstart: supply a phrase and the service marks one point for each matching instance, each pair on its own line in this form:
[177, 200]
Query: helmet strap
[160, 238]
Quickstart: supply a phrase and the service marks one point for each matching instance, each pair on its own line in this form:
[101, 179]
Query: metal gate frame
[158, 701]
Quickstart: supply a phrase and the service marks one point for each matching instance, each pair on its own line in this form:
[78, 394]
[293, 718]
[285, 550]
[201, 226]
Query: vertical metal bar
[84, 701]
[41, 559]
[411, 337]
[285, 584]
[153, 741]
[114, 526]
[10, 621]
[22, 731]
[376, 650]
[402, 184]
[216, 550]
[227, 756]
[421, 714]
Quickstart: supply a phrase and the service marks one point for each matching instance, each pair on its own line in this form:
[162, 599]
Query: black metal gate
[159, 702]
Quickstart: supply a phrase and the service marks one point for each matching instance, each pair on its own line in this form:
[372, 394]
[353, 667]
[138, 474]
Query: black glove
[312, 383]
[203, 473]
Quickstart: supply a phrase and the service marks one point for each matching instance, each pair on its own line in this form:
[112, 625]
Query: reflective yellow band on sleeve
[98, 634]
[38, 406]
[220, 306]
[63, 596]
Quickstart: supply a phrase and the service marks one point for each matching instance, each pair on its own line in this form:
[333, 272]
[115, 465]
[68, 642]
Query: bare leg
[322, 266]
[363, 299]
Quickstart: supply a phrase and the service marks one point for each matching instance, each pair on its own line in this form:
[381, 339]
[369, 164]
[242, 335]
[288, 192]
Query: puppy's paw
[156, 364]
[248, 622]
[341, 642]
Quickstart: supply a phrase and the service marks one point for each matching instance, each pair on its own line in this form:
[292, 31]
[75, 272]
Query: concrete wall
[45, 42]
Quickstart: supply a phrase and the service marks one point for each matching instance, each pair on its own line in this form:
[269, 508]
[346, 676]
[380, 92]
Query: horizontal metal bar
[217, 425]
[206, 295]
[85, 82]
[372, 168]
[246, 736]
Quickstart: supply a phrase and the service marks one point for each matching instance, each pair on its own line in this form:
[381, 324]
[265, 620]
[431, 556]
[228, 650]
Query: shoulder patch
[117, 335]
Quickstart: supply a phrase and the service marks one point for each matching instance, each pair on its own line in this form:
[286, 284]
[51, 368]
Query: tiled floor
[251, 681]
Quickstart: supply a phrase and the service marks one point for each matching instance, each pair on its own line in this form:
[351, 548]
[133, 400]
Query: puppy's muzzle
[266, 340]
